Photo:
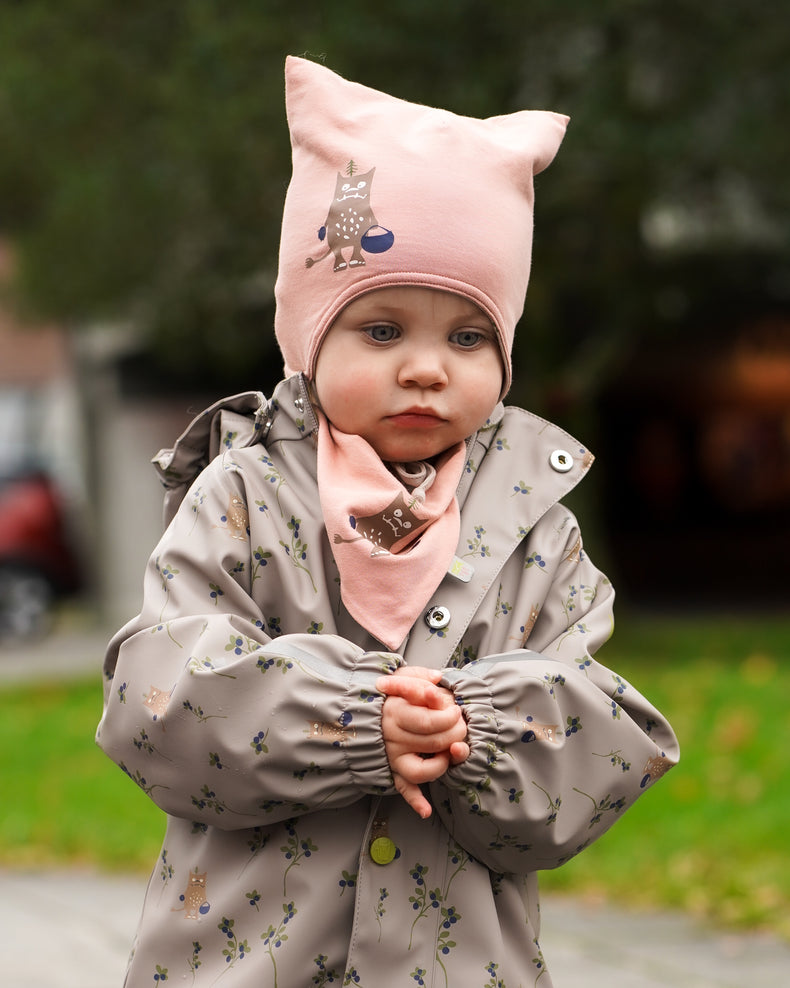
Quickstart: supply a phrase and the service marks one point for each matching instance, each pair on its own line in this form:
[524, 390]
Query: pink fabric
[390, 193]
[447, 202]
[391, 547]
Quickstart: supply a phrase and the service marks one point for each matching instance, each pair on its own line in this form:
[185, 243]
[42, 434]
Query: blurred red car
[37, 563]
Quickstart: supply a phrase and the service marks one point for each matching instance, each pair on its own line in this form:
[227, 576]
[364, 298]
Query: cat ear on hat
[534, 133]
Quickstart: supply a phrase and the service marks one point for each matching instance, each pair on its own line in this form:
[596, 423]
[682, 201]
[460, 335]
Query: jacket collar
[291, 410]
[527, 466]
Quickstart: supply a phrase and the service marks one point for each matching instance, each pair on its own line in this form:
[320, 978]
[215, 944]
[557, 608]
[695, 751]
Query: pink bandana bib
[393, 535]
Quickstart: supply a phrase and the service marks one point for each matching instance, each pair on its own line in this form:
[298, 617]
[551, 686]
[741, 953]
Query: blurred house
[693, 447]
[41, 476]
[130, 413]
[696, 450]
[67, 422]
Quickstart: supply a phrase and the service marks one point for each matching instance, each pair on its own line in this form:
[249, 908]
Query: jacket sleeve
[560, 744]
[216, 721]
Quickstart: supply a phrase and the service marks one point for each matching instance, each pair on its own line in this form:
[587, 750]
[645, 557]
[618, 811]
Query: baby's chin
[409, 453]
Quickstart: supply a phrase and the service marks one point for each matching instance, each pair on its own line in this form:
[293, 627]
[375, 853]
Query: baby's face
[411, 370]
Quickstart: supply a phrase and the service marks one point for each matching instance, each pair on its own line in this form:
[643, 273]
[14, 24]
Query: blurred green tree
[145, 158]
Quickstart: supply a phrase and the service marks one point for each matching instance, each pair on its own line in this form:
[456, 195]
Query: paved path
[72, 929]
[75, 647]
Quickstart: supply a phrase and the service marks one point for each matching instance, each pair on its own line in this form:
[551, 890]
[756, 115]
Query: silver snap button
[437, 618]
[561, 461]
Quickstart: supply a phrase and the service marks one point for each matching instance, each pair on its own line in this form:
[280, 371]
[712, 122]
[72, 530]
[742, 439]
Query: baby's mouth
[416, 418]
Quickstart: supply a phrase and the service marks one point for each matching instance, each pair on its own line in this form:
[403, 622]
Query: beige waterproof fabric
[242, 701]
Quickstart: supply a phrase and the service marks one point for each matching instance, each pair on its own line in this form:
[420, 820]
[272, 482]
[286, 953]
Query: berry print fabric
[242, 701]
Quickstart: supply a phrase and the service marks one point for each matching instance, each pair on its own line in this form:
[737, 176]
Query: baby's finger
[417, 691]
[419, 672]
[413, 796]
[459, 752]
[401, 717]
[416, 769]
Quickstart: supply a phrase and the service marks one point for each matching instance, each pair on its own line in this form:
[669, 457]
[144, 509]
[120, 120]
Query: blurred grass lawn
[709, 839]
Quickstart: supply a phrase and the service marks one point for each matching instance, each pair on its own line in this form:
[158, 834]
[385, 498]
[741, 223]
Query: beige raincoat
[242, 701]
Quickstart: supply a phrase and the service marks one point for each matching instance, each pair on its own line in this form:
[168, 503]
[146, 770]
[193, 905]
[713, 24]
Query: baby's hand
[419, 719]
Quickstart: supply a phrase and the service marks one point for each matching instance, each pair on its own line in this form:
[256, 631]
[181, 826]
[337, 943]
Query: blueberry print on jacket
[242, 701]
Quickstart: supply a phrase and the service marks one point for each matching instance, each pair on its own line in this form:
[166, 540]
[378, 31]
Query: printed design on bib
[351, 222]
[387, 528]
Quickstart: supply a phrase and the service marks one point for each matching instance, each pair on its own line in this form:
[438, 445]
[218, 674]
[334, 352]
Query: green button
[383, 850]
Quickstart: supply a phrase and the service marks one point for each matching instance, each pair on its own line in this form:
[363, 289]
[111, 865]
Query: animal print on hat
[351, 223]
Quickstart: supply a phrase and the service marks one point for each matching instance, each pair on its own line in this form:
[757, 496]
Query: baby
[425, 373]
[362, 683]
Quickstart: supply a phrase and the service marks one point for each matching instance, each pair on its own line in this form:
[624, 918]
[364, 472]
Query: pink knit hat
[386, 192]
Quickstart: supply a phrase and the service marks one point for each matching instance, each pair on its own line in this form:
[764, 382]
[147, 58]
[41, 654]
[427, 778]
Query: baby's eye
[468, 338]
[381, 332]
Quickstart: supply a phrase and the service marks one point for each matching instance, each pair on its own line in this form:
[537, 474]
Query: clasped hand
[424, 731]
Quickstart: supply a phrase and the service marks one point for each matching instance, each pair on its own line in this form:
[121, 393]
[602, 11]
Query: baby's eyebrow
[474, 327]
[477, 316]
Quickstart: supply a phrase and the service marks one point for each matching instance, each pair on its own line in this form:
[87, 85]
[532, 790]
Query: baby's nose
[425, 368]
